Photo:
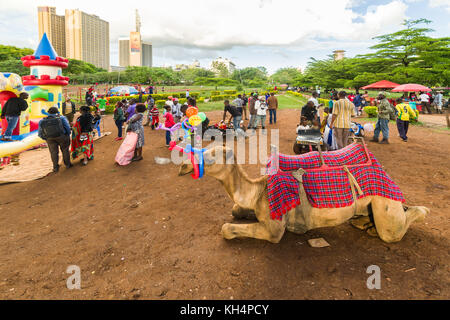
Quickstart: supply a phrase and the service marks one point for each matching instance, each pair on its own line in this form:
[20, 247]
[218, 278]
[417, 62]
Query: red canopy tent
[410, 87]
[383, 84]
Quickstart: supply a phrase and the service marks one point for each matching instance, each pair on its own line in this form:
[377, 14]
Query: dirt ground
[142, 232]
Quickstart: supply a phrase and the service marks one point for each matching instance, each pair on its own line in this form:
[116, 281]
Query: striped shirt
[343, 109]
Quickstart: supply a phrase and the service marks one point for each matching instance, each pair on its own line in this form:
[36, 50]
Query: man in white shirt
[176, 110]
[438, 101]
[261, 111]
[314, 100]
[425, 102]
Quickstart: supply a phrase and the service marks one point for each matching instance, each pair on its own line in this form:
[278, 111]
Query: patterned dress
[81, 145]
[135, 125]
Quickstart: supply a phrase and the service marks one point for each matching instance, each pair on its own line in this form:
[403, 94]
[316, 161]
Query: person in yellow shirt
[404, 114]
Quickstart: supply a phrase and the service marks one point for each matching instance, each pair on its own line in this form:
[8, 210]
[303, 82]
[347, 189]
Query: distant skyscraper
[77, 35]
[54, 26]
[87, 38]
[124, 52]
[133, 51]
[147, 54]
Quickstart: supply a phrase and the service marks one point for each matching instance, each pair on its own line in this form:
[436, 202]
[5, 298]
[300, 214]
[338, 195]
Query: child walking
[135, 125]
[168, 123]
[154, 112]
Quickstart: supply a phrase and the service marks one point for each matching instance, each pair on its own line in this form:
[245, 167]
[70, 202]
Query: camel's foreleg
[391, 220]
[270, 230]
[243, 213]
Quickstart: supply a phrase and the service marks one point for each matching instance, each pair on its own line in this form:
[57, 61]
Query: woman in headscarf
[82, 136]
[135, 125]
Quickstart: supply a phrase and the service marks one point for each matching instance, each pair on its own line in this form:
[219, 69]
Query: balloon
[368, 127]
[195, 120]
[198, 166]
[202, 116]
[172, 129]
[191, 111]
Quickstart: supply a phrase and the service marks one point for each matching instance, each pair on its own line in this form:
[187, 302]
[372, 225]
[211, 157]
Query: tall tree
[285, 75]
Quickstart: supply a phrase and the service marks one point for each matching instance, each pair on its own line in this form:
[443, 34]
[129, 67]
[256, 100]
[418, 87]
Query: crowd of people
[335, 120]
[64, 132]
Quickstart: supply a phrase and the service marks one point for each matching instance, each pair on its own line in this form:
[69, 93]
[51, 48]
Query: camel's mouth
[185, 169]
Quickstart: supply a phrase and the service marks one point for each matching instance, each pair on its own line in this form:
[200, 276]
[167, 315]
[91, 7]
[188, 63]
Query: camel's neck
[244, 191]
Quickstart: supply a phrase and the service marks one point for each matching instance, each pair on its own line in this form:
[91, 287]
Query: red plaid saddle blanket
[326, 188]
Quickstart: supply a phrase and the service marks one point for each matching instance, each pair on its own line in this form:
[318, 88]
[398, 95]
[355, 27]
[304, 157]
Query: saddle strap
[353, 184]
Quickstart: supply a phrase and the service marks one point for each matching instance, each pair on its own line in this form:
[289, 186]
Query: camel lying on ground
[390, 220]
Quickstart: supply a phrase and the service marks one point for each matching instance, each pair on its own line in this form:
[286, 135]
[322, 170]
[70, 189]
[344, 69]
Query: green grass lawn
[284, 102]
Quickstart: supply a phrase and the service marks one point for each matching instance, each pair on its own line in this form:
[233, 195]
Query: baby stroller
[357, 129]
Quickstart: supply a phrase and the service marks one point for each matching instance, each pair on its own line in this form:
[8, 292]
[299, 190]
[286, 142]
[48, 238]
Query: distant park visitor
[55, 130]
[384, 108]
[11, 111]
[404, 115]
[261, 112]
[235, 114]
[135, 125]
[238, 102]
[251, 107]
[68, 110]
[82, 136]
[343, 110]
[425, 102]
[273, 106]
[119, 119]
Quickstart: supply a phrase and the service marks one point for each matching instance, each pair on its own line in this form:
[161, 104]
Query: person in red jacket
[168, 123]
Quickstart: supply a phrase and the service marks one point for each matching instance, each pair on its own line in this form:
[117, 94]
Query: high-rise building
[124, 52]
[87, 38]
[76, 35]
[54, 26]
[147, 54]
[133, 51]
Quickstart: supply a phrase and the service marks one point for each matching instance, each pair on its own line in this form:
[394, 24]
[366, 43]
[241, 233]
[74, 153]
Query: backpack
[52, 127]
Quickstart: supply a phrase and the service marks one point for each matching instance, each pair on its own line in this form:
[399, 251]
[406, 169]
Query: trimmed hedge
[229, 92]
[371, 111]
[110, 108]
[160, 103]
[221, 97]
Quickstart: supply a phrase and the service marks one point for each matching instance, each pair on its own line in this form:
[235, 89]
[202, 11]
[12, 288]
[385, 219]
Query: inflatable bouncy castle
[44, 86]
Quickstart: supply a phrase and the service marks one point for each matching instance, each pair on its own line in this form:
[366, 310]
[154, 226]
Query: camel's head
[216, 162]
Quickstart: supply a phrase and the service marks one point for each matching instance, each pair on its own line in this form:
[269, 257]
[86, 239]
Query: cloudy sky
[270, 33]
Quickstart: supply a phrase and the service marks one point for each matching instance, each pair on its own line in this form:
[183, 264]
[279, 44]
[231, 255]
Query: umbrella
[410, 87]
[123, 90]
[383, 84]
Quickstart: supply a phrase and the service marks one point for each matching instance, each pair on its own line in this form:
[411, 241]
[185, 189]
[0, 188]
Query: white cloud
[440, 3]
[223, 23]
[183, 30]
